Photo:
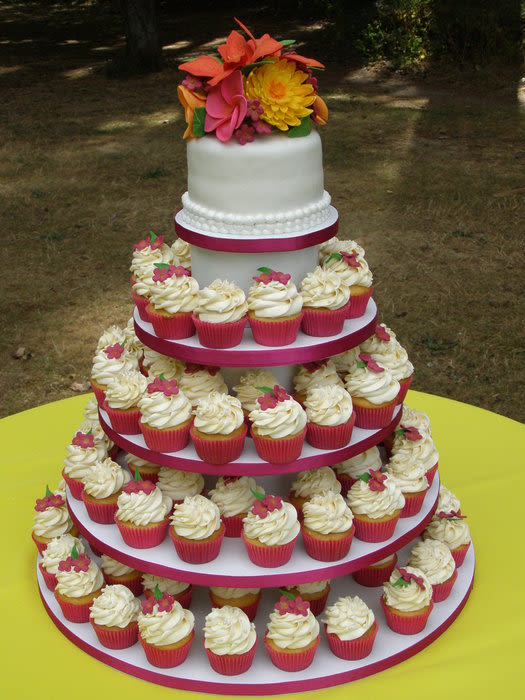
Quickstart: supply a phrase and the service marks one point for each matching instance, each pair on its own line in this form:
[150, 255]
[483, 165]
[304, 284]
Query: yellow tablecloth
[479, 656]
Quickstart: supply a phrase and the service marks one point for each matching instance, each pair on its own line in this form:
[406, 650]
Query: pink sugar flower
[370, 363]
[165, 604]
[281, 277]
[408, 576]
[267, 401]
[280, 393]
[54, 500]
[145, 486]
[226, 107]
[350, 259]
[83, 440]
[381, 333]
[244, 134]
[301, 606]
[148, 605]
[376, 481]
[192, 83]
[169, 387]
[262, 127]
[114, 352]
[254, 109]
[411, 433]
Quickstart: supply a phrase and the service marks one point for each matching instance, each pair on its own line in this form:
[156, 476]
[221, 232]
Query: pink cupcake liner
[124, 422]
[96, 551]
[431, 473]
[134, 584]
[352, 649]
[219, 335]
[321, 324]
[327, 550]
[317, 605]
[142, 304]
[249, 610]
[279, 451]
[231, 665]
[330, 437]
[296, 661]
[232, 525]
[413, 503]
[266, 556]
[76, 486]
[459, 554]
[372, 418]
[375, 531]
[346, 482]
[411, 624]
[113, 451]
[50, 579]
[73, 611]
[404, 387]
[117, 638]
[143, 537]
[276, 333]
[168, 440]
[166, 658]
[358, 303]
[196, 551]
[103, 513]
[171, 327]
[441, 591]
[374, 576]
[219, 451]
[41, 546]
[100, 394]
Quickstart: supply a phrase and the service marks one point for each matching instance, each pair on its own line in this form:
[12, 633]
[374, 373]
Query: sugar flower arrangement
[254, 86]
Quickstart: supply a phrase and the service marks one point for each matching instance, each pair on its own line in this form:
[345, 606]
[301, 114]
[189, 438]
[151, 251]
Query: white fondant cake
[269, 186]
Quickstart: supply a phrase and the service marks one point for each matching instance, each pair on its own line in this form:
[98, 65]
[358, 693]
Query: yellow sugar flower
[282, 93]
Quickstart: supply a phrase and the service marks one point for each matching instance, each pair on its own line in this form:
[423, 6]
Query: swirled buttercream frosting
[328, 405]
[280, 526]
[141, 508]
[434, 559]
[116, 606]
[274, 300]
[291, 630]
[221, 302]
[105, 479]
[323, 289]
[327, 513]
[348, 618]
[285, 418]
[218, 414]
[163, 628]
[196, 518]
[375, 504]
[178, 484]
[228, 630]
[313, 481]
[410, 597]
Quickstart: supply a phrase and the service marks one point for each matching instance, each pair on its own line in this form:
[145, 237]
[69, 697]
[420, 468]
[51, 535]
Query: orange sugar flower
[190, 99]
[320, 115]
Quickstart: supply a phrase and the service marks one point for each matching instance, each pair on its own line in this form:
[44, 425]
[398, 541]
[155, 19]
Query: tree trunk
[143, 49]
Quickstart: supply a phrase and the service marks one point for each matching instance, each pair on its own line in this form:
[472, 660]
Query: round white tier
[233, 567]
[250, 354]
[263, 677]
[249, 462]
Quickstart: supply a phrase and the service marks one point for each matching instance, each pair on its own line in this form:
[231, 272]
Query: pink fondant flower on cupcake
[366, 360]
[381, 333]
[168, 387]
[83, 440]
[409, 433]
[407, 576]
[50, 500]
[154, 242]
[263, 506]
[114, 352]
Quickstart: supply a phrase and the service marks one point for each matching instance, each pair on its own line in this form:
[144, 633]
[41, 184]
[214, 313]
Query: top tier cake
[254, 155]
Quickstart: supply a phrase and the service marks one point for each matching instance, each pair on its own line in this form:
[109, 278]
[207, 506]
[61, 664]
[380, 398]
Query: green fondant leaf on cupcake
[333, 256]
[157, 592]
[152, 236]
[365, 477]
[266, 270]
[361, 364]
[48, 491]
[286, 593]
[136, 475]
[265, 389]
[74, 552]
[258, 495]
[161, 266]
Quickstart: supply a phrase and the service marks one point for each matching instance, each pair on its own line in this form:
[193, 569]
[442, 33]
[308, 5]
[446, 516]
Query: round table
[481, 461]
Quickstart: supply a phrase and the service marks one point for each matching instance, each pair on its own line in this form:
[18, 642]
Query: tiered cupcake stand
[232, 567]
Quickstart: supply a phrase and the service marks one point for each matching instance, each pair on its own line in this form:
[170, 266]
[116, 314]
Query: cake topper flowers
[268, 275]
[351, 259]
[114, 352]
[382, 333]
[365, 360]
[409, 432]
[50, 500]
[406, 577]
[168, 387]
[83, 440]
[138, 485]
[164, 271]
[271, 396]
[154, 242]
[374, 479]
[264, 504]
[251, 87]
[163, 600]
[288, 603]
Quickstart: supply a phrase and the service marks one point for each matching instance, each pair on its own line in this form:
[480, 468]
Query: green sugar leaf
[361, 364]
[334, 256]
[48, 491]
[258, 495]
[365, 477]
[303, 129]
[286, 593]
[74, 552]
[199, 115]
[287, 42]
[152, 236]
[136, 475]
[160, 266]
[266, 270]
[401, 583]
[265, 389]
[157, 592]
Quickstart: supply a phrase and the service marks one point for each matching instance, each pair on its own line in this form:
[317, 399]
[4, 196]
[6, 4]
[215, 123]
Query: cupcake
[113, 616]
[270, 531]
[230, 640]
[409, 474]
[148, 470]
[351, 628]
[79, 582]
[58, 549]
[309, 483]
[330, 417]
[327, 526]
[123, 394]
[437, 563]
[104, 446]
[109, 363]
[174, 296]
[234, 498]
[247, 599]
[274, 308]
[143, 514]
[51, 519]
[447, 502]
[376, 502]
[452, 530]
[376, 574]
[220, 314]
[336, 245]
[316, 593]
[81, 457]
[347, 472]
[353, 270]
[374, 393]
[346, 361]
[409, 440]
[218, 431]
[247, 391]
[157, 365]
[407, 600]
[146, 253]
[111, 335]
[180, 590]
[141, 285]
[410, 418]
[313, 374]
[278, 426]
[102, 487]
[383, 347]
[165, 630]
[196, 530]
[181, 253]
[178, 484]
[198, 381]
[325, 303]
[165, 416]
[292, 635]
[117, 573]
